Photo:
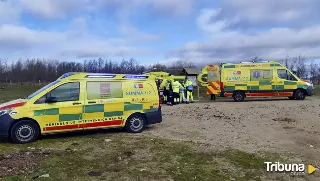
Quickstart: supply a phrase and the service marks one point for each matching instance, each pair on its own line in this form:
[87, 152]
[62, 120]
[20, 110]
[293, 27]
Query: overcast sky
[203, 31]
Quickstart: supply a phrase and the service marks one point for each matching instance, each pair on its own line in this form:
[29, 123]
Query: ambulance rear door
[213, 79]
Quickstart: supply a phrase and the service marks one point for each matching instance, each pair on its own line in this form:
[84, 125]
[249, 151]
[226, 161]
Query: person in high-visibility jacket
[176, 90]
[182, 91]
[169, 88]
[163, 86]
[189, 87]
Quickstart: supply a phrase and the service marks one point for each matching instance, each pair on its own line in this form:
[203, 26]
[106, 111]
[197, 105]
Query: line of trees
[42, 70]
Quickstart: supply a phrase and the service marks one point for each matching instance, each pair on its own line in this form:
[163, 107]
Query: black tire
[238, 96]
[24, 131]
[135, 123]
[291, 98]
[299, 95]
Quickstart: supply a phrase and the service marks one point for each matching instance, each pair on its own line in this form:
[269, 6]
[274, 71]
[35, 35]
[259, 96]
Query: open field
[219, 141]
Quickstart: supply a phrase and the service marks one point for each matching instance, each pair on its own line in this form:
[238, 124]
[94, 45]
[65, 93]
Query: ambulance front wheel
[238, 96]
[299, 95]
[24, 131]
[135, 123]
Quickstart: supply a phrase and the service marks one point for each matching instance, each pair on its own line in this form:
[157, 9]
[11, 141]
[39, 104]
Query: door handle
[92, 102]
[76, 103]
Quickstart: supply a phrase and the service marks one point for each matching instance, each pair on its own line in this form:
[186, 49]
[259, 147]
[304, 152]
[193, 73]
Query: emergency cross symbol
[256, 74]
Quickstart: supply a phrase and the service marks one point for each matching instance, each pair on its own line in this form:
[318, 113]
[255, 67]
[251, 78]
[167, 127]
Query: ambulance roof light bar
[99, 75]
[133, 76]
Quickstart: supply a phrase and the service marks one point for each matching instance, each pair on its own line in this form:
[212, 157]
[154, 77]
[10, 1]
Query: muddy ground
[258, 125]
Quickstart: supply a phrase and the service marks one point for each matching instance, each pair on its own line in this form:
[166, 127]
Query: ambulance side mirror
[51, 100]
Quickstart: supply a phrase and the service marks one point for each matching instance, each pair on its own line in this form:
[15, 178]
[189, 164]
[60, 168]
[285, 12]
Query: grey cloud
[272, 44]
[9, 13]
[261, 13]
[19, 37]
[23, 41]
[51, 9]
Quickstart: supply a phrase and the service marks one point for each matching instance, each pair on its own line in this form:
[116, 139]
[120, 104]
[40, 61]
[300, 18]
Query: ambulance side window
[284, 74]
[65, 92]
[104, 90]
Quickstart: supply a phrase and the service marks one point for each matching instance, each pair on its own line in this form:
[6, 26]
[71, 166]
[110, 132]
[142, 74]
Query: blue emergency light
[100, 75]
[128, 76]
[66, 75]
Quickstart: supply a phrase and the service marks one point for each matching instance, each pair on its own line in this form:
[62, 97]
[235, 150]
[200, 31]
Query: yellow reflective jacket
[176, 86]
[163, 83]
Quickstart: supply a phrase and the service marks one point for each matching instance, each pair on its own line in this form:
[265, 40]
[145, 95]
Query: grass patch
[9, 92]
[121, 156]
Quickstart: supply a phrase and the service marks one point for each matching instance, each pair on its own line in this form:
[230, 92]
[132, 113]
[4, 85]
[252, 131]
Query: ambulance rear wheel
[238, 96]
[299, 95]
[135, 123]
[24, 131]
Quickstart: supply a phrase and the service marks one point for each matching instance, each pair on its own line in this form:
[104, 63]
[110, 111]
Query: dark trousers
[176, 97]
[170, 97]
[213, 96]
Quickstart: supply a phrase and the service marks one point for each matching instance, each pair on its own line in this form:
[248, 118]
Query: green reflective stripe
[280, 87]
[94, 108]
[114, 113]
[53, 111]
[274, 87]
[265, 82]
[229, 88]
[241, 84]
[70, 117]
[275, 65]
[303, 86]
[129, 107]
[39, 112]
[229, 66]
[254, 87]
[290, 83]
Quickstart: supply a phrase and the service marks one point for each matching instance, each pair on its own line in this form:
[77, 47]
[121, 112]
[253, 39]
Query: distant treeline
[35, 70]
[41, 70]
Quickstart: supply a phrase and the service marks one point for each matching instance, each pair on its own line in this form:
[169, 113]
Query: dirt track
[257, 125]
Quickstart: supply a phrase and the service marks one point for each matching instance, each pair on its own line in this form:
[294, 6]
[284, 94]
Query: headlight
[5, 111]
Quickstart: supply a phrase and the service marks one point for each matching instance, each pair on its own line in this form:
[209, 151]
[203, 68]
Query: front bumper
[310, 91]
[154, 117]
[5, 123]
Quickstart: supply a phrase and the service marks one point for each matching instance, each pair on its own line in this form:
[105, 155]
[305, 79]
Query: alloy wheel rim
[136, 124]
[25, 133]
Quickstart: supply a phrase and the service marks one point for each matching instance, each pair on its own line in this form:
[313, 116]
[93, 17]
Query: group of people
[175, 92]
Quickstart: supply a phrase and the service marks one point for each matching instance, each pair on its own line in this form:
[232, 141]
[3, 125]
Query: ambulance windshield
[284, 74]
[42, 89]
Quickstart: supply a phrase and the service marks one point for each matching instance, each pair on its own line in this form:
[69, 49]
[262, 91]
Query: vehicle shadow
[246, 100]
[82, 133]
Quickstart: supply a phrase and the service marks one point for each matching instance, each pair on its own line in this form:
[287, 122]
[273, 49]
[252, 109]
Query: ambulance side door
[104, 105]
[63, 107]
[286, 82]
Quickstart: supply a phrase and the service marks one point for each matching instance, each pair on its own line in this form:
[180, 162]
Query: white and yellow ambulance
[82, 101]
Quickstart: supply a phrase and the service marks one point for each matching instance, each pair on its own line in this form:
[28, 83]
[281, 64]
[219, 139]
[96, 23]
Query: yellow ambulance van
[255, 79]
[82, 101]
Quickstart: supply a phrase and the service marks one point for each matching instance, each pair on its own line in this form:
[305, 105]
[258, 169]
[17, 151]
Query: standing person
[170, 93]
[176, 89]
[163, 86]
[182, 91]
[213, 97]
[189, 86]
